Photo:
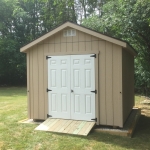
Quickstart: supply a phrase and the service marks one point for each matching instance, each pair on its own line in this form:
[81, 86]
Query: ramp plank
[88, 129]
[63, 128]
[79, 127]
[74, 127]
[54, 126]
[62, 123]
[66, 126]
[71, 125]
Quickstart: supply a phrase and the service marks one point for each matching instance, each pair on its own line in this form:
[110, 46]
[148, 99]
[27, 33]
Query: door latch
[71, 91]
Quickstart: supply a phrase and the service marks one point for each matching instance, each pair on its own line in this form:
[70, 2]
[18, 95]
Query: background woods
[22, 21]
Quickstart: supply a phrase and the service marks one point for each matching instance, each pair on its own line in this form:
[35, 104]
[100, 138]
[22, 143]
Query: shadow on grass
[13, 91]
[140, 139]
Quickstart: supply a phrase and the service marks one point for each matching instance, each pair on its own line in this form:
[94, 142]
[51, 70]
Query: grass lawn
[17, 136]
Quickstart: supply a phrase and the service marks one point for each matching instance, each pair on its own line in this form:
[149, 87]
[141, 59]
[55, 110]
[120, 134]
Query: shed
[76, 73]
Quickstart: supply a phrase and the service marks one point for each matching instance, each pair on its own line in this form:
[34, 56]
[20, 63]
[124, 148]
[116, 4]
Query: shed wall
[110, 72]
[109, 69]
[128, 83]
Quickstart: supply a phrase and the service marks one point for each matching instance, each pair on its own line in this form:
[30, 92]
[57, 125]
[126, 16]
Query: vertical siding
[95, 45]
[75, 44]
[51, 44]
[102, 82]
[63, 41]
[88, 43]
[57, 42]
[28, 85]
[51, 47]
[69, 44]
[117, 86]
[31, 94]
[109, 84]
[45, 80]
[128, 83]
[109, 79]
[81, 41]
[37, 66]
[40, 81]
[35, 77]
[88, 46]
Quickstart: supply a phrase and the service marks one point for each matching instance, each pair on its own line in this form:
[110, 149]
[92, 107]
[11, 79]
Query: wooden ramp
[66, 126]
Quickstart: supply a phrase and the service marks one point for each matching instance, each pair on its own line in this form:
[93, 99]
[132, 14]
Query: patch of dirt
[1, 144]
[145, 109]
[146, 101]
[38, 146]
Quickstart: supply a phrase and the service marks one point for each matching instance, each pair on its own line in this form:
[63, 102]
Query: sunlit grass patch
[18, 136]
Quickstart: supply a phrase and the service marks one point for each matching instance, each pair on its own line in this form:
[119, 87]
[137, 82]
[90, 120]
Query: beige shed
[76, 73]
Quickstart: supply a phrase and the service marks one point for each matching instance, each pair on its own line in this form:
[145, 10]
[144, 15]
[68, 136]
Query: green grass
[17, 136]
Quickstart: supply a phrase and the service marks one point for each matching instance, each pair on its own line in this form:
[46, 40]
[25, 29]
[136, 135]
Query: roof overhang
[80, 28]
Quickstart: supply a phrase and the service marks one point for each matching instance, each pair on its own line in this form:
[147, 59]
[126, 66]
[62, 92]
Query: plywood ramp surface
[66, 126]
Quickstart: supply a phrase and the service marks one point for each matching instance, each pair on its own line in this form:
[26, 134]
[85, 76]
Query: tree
[22, 21]
[11, 61]
[128, 20]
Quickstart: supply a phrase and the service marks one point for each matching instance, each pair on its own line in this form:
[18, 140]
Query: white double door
[71, 79]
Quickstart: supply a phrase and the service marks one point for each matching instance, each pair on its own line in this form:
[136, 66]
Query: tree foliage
[22, 21]
[129, 21]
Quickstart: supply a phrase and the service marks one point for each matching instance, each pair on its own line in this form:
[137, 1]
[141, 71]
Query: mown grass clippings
[17, 136]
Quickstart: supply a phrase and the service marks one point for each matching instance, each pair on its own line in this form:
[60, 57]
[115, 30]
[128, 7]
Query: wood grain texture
[66, 126]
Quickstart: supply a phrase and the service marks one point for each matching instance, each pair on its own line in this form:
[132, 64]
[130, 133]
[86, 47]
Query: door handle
[71, 91]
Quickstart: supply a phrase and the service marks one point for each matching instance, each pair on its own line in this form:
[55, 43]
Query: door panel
[71, 79]
[88, 103]
[59, 83]
[82, 83]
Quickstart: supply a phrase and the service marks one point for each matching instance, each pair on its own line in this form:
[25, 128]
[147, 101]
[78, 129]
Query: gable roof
[80, 28]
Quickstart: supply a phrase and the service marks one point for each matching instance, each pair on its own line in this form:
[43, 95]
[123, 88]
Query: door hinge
[47, 57]
[93, 55]
[48, 90]
[95, 119]
[94, 91]
[48, 116]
